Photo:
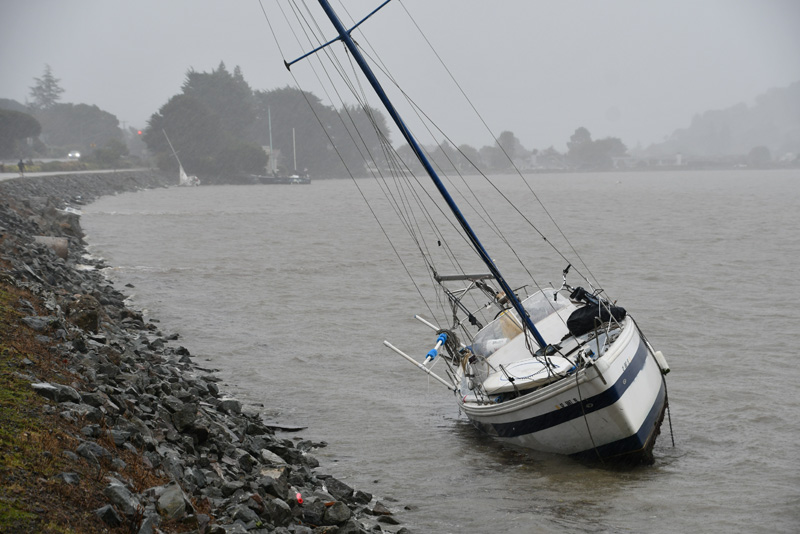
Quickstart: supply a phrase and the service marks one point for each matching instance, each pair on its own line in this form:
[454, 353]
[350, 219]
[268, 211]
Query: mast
[344, 36]
[271, 149]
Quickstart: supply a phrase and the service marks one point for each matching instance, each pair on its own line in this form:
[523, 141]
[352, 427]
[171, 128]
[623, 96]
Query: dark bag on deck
[588, 317]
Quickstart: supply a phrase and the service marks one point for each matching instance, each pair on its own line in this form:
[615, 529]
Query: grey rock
[148, 525]
[72, 479]
[92, 451]
[109, 516]
[122, 498]
[230, 405]
[184, 417]
[197, 477]
[120, 437]
[313, 512]
[388, 520]
[362, 497]
[350, 527]
[56, 392]
[247, 462]
[280, 512]
[229, 488]
[91, 431]
[270, 458]
[83, 411]
[158, 404]
[277, 487]
[380, 509]
[336, 514]
[172, 504]
[338, 489]
[40, 324]
[243, 513]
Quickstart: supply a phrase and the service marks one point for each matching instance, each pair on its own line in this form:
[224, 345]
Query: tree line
[46, 127]
[220, 127]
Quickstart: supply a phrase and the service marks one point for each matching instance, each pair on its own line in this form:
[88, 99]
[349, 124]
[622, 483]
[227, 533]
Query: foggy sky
[624, 68]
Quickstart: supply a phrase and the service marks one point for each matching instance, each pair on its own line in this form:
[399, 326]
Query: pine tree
[46, 93]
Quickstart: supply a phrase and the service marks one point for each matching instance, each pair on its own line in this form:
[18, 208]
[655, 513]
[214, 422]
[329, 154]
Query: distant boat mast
[271, 152]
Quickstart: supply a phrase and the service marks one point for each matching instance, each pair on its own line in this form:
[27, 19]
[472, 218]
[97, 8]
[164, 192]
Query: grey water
[290, 291]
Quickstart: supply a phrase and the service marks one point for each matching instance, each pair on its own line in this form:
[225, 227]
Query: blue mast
[344, 36]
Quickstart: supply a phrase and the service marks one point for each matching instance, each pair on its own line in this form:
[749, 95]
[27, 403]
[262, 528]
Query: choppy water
[290, 291]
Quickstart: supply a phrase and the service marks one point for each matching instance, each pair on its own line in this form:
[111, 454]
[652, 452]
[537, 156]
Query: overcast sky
[632, 69]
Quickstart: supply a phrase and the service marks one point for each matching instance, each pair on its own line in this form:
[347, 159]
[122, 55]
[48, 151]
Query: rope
[585, 418]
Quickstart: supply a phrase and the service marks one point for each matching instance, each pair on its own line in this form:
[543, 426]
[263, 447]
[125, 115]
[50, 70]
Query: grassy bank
[34, 439]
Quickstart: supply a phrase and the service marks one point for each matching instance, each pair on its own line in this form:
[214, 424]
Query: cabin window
[541, 304]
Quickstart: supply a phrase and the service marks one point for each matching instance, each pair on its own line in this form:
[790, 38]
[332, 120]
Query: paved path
[10, 175]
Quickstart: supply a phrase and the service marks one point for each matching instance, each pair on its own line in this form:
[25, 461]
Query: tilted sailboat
[562, 370]
[184, 180]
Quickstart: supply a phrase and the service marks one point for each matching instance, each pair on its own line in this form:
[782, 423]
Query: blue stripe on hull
[592, 404]
[638, 447]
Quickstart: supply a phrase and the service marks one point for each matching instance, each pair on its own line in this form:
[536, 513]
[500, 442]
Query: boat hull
[612, 410]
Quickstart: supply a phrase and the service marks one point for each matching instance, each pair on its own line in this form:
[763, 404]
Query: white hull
[611, 409]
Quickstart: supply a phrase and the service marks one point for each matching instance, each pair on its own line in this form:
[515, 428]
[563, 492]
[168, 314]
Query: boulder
[59, 245]
[173, 504]
[92, 451]
[109, 516]
[122, 498]
[85, 312]
[56, 392]
[336, 514]
[338, 489]
[40, 323]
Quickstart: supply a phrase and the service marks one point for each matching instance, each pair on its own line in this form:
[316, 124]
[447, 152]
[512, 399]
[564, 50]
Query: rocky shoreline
[132, 390]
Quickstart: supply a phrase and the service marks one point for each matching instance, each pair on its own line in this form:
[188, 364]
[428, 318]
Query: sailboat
[562, 370]
[184, 180]
[274, 177]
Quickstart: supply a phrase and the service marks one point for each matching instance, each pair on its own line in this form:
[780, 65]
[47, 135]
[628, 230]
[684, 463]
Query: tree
[409, 159]
[244, 157]
[493, 158]
[579, 140]
[295, 117]
[78, 125]
[509, 143]
[13, 105]
[361, 133]
[227, 95]
[516, 154]
[586, 154]
[444, 157]
[14, 127]
[46, 93]
[111, 153]
[468, 159]
[193, 129]
[550, 158]
[759, 156]
[199, 139]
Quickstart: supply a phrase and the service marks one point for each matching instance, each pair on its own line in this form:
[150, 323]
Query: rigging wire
[400, 203]
[453, 259]
[339, 154]
[404, 198]
[417, 237]
[516, 169]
